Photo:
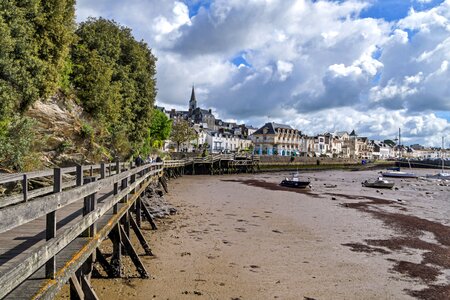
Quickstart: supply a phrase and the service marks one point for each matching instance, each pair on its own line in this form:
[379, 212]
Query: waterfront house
[226, 142]
[381, 150]
[276, 139]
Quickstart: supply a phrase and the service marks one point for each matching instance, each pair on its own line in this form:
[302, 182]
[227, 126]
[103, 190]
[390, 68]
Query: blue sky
[393, 10]
[319, 66]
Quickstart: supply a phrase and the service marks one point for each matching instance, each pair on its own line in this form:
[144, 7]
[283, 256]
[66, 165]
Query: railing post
[79, 175]
[102, 171]
[117, 167]
[90, 204]
[138, 211]
[124, 186]
[115, 192]
[50, 265]
[133, 180]
[25, 187]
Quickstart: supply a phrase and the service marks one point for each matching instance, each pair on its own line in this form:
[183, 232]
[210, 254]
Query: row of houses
[281, 139]
[218, 136]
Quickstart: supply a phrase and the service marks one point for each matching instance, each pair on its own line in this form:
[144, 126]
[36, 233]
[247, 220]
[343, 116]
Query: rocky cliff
[59, 126]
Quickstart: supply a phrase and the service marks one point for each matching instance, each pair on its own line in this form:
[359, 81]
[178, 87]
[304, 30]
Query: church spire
[193, 94]
[193, 101]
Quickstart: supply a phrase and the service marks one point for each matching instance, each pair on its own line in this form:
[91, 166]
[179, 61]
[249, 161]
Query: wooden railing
[124, 187]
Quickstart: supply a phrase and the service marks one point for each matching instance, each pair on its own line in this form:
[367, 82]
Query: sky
[320, 66]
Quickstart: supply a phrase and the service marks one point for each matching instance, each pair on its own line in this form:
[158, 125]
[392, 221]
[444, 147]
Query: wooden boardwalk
[50, 236]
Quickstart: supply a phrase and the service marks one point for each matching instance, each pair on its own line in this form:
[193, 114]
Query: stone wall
[307, 160]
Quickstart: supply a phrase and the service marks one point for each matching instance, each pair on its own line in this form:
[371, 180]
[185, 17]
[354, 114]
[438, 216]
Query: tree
[182, 133]
[114, 79]
[34, 40]
[160, 128]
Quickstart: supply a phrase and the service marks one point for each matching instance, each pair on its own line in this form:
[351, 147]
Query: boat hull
[295, 184]
[399, 175]
[378, 185]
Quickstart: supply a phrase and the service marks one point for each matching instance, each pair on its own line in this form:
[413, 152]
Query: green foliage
[182, 133]
[101, 63]
[160, 129]
[34, 41]
[64, 146]
[86, 131]
[17, 141]
[113, 75]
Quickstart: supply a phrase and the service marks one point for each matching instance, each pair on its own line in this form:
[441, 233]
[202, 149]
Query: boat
[441, 176]
[398, 174]
[295, 182]
[393, 169]
[380, 183]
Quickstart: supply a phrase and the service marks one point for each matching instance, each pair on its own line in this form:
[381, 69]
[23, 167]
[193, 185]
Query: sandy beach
[245, 237]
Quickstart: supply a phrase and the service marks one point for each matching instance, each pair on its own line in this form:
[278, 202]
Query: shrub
[18, 144]
[87, 131]
[64, 146]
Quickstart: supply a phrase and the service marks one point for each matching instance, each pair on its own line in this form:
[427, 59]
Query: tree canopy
[182, 132]
[160, 128]
[35, 37]
[114, 79]
[98, 63]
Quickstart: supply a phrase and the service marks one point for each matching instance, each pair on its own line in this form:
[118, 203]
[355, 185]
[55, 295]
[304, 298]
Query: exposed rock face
[59, 122]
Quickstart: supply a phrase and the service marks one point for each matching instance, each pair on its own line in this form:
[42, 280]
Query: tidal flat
[245, 237]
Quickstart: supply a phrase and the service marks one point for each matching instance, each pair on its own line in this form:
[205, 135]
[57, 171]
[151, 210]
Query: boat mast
[399, 143]
[442, 154]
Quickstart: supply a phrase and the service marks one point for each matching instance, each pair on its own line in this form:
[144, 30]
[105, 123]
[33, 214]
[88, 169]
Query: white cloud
[314, 62]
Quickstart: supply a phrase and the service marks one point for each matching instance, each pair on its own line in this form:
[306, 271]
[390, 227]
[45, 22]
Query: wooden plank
[75, 288]
[101, 259]
[25, 187]
[133, 254]
[6, 201]
[35, 174]
[87, 289]
[140, 236]
[50, 232]
[148, 216]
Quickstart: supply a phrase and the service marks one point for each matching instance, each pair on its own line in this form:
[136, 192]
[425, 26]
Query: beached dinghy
[380, 183]
[399, 174]
[295, 182]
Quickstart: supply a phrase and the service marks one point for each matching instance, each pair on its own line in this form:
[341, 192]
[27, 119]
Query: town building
[277, 139]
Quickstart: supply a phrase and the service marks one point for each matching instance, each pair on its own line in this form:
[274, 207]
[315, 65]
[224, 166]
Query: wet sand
[244, 237]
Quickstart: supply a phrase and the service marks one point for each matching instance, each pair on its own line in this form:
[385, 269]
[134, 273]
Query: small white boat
[398, 174]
